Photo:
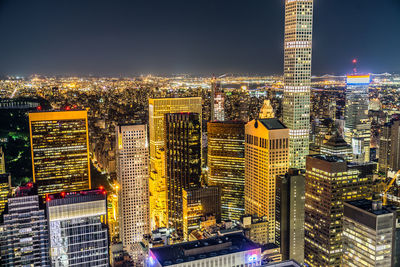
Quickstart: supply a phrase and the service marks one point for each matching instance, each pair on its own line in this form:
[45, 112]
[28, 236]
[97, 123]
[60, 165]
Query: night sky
[116, 37]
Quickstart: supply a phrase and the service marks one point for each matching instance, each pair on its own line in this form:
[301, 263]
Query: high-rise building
[384, 148]
[133, 179]
[77, 228]
[60, 151]
[226, 165]
[357, 129]
[24, 236]
[297, 78]
[290, 200]
[266, 157]
[229, 250]
[157, 109]
[369, 231]
[257, 229]
[330, 181]
[183, 161]
[337, 146]
[217, 101]
[197, 205]
[267, 111]
[394, 162]
[2, 162]
[5, 187]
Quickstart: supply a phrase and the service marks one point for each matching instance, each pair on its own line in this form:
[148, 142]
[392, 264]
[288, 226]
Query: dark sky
[113, 37]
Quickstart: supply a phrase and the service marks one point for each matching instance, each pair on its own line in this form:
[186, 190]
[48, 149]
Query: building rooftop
[66, 198]
[328, 158]
[289, 263]
[367, 205]
[201, 249]
[272, 124]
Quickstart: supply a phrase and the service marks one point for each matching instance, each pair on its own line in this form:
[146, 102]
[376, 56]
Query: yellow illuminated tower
[158, 107]
[297, 77]
[267, 111]
[60, 151]
[2, 161]
[266, 157]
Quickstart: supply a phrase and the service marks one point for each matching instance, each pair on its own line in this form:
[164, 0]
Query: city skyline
[129, 38]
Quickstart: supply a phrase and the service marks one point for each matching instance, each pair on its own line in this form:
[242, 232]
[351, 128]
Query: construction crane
[385, 192]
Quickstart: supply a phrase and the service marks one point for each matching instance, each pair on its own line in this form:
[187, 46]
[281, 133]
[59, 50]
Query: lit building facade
[158, 107]
[60, 151]
[5, 188]
[2, 161]
[183, 162]
[290, 202]
[266, 111]
[24, 236]
[297, 78]
[384, 148]
[337, 146]
[357, 129]
[230, 250]
[266, 157]
[330, 181]
[257, 229]
[133, 180]
[217, 101]
[226, 165]
[369, 231]
[77, 228]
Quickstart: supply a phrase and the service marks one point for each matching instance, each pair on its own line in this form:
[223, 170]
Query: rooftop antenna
[354, 66]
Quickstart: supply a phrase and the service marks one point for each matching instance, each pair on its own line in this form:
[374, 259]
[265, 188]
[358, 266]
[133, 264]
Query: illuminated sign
[358, 79]
[252, 258]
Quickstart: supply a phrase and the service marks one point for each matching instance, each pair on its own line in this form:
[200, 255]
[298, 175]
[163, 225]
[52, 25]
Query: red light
[75, 106]
[101, 187]
[47, 199]
[29, 184]
[67, 108]
[39, 108]
[63, 194]
[104, 192]
[354, 61]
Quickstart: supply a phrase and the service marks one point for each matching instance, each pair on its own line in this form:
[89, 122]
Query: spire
[266, 112]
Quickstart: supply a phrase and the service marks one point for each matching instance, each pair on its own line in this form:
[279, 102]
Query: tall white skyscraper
[133, 179]
[297, 76]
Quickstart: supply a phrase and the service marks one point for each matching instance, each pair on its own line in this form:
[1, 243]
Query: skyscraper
[24, 236]
[5, 187]
[2, 161]
[290, 199]
[297, 78]
[385, 148]
[330, 181]
[266, 157]
[226, 165]
[183, 161]
[357, 129]
[369, 231]
[394, 162]
[60, 151]
[77, 228]
[133, 179]
[337, 146]
[217, 101]
[158, 107]
[267, 111]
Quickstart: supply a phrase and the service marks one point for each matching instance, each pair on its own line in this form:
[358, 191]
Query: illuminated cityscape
[218, 134]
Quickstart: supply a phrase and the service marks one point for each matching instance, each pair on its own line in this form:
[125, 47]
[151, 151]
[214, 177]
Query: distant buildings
[369, 232]
[226, 165]
[357, 130]
[5, 187]
[228, 250]
[77, 228]
[290, 201]
[60, 151]
[158, 107]
[337, 146]
[266, 157]
[133, 180]
[217, 101]
[183, 161]
[297, 78]
[24, 236]
[330, 181]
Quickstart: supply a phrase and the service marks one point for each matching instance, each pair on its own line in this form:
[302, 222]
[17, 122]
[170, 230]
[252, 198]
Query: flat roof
[202, 249]
[289, 263]
[366, 205]
[328, 158]
[272, 124]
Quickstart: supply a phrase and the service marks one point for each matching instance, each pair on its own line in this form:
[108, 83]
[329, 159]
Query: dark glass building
[226, 165]
[183, 161]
